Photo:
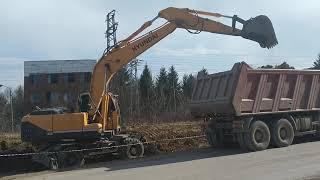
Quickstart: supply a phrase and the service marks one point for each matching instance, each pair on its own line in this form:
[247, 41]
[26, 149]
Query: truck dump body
[246, 91]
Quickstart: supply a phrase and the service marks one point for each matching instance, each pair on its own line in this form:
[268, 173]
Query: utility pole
[110, 33]
[11, 106]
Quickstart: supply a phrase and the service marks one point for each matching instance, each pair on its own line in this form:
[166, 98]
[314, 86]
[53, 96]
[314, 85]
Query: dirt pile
[170, 137]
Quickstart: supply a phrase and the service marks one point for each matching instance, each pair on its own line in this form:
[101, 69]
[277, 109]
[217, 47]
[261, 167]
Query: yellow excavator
[95, 129]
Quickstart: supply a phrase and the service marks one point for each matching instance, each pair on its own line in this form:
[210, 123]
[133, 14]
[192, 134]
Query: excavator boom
[258, 29]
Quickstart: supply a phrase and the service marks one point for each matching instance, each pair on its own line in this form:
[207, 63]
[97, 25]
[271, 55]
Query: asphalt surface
[300, 161]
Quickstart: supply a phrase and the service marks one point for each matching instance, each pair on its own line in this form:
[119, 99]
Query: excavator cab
[258, 29]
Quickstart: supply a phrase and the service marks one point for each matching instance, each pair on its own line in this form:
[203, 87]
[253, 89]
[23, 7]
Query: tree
[187, 86]
[266, 67]
[18, 107]
[146, 91]
[316, 64]
[3, 106]
[174, 89]
[162, 89]
[5, 109]
[284, 65]
[202, 72]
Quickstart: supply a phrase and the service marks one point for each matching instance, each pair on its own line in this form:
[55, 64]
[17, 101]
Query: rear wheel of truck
[132, 148]
[258, 137]
[282, 133]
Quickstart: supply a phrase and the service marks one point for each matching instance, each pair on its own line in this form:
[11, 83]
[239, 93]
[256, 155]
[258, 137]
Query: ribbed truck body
[236, 100]
[245, 91]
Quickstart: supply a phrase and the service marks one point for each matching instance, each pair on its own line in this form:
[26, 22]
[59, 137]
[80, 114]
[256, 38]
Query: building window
[87, 77]
[35, 98]
[71, 77]
[52, 78]
[49, 97]
[34, 79]
[52, 97]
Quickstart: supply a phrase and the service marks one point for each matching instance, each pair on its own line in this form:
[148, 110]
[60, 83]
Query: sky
[74, 29]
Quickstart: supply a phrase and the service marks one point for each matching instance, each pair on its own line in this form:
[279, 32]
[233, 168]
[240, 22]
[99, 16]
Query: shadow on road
[177, 157]
[169, 158]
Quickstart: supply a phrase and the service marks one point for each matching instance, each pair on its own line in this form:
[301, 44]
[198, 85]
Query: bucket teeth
[260, 29]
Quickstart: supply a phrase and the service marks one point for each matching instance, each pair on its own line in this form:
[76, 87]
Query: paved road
[294, 162]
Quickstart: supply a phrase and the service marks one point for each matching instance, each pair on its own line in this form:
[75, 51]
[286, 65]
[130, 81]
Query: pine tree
[316, 64]
[202, 72]
[187, 86]
[146, 91]
[174, 89]
[162, 90]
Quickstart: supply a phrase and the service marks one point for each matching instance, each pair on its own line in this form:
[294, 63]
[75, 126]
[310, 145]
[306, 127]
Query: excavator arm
[258, 29]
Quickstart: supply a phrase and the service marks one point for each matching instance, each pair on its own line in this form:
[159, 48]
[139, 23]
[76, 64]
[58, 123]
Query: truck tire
[133, 148]
[258, 137]
[282, 133]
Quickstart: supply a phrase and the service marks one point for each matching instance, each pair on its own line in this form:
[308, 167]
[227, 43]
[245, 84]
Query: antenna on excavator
[110, 33]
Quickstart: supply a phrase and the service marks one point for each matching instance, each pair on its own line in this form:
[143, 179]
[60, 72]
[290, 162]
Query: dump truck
[257, 107]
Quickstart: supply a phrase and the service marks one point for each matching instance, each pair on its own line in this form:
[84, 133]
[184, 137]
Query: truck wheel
[134, 149]
[282, 133]
[258, 137]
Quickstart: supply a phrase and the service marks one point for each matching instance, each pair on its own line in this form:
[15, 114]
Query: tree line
[147, 98]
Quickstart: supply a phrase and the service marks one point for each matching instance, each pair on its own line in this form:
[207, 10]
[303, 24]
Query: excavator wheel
[134, 148]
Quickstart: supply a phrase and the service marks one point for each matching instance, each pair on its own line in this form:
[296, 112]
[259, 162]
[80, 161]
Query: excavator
[65, 139]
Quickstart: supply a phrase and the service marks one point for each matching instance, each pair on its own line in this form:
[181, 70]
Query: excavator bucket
[260, 29]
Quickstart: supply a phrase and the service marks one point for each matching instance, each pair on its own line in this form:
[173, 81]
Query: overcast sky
[74, 29]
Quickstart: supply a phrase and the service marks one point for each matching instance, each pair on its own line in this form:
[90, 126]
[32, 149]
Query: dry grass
[11, 143]
[12, 137]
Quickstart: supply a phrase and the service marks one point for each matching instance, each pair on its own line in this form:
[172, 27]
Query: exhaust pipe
[258, 29]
